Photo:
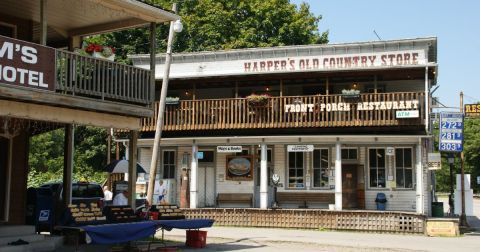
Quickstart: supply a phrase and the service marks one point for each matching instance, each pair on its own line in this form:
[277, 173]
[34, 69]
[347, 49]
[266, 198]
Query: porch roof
[72, 17]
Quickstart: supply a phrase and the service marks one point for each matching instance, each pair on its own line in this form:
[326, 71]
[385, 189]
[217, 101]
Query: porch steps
[36, 242]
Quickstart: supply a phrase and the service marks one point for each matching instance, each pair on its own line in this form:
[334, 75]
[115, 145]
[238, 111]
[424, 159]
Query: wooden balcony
[101, 79]
[325, 111]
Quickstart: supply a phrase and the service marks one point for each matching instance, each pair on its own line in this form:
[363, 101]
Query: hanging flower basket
[98, 51]
[258, 100]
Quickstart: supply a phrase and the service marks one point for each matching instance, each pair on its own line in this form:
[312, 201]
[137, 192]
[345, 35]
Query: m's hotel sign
[472, 110]
[26, 64]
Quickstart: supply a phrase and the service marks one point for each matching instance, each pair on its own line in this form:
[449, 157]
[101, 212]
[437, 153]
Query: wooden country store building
[337, 124]
[45, 86]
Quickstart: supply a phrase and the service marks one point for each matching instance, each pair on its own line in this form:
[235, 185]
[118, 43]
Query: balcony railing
[101, 79]
[365, 110]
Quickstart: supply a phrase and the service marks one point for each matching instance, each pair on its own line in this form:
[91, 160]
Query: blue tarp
[119, 233]
[125, 232]
[184, 224]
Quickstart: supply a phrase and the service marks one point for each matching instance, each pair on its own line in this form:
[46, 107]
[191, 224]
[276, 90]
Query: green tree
[224, 24]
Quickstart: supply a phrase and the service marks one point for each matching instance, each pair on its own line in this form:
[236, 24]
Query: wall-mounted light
[178, 26]
[355, 85]
[185, 159]
[267, 88]
[187, 93]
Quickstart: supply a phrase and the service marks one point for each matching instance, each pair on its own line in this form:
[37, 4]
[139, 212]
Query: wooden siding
[372, 221]
[101, 79]
[236, 113]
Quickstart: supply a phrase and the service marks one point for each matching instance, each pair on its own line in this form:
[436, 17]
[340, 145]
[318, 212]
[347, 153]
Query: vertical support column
[43, 22]
[193, 177]
[153, 51]
[263, 177]
[68, 164]
[132, 167]
[419, 177]
[338, 177]
[427, 102]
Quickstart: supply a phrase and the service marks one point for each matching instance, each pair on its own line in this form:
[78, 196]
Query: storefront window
[403, 167]
[349, 154]
[320, 168]
[168, 164]
[377, 167]
[295, 170]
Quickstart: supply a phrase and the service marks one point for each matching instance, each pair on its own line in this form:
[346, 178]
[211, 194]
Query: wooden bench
[243, 198]
[304, 198]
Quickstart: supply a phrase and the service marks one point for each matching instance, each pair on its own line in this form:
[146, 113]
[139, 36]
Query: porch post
[419, 178]
[193, 177]
[43, 23]
[68, 164]
[132, 167]
[338, 177]
[263, 177]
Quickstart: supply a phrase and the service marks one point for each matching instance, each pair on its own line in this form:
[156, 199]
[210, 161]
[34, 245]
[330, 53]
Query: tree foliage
[47, 151]
[224, 24]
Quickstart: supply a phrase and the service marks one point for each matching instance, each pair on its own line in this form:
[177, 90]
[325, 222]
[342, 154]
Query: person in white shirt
[120, 199]
[107, 193]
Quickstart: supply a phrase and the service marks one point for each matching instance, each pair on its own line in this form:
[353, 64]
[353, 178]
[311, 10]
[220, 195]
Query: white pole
[161, 109]
[419, 175]
[338, 177]
[263, 177]
[193, 177]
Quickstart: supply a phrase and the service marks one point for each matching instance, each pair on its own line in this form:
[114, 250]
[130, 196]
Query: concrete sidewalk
[261, 239]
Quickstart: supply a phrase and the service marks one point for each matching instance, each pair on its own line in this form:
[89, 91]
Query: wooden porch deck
[319, 111]
[357, 220]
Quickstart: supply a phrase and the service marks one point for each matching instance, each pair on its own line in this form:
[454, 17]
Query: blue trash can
[381, 201]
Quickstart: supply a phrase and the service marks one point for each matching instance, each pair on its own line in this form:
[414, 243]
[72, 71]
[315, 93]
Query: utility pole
[161, 110]
[463, 216]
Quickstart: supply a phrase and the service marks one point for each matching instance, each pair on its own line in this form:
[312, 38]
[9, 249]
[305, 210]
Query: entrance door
[206, 186]
[349, 186]
[4, 152]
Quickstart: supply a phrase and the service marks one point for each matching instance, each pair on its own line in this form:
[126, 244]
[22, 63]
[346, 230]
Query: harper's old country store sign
[346, 61]
[26, 64]
[238, 65]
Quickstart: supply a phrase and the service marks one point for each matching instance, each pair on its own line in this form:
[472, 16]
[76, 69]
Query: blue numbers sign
[451, 132]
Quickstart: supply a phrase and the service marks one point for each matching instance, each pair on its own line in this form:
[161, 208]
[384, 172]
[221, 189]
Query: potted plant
[258, 100]
[97, 51]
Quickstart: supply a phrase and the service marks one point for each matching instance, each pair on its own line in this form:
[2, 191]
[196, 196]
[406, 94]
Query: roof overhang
[86, 17]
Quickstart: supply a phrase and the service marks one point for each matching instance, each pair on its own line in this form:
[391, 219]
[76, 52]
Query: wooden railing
[360, 220]
[292, 112]
[96, 78]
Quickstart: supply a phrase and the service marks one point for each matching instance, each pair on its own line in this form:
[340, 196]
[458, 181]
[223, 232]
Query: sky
[456, 24]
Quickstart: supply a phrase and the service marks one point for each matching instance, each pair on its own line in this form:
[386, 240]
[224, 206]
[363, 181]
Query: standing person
[108, 194]
[162, 190]
[121, 199]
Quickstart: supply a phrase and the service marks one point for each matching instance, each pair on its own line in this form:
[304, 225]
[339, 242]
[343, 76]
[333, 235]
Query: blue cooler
[381, 201]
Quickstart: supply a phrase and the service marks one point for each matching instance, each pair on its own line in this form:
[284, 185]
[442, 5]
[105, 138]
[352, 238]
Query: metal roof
[427, 43]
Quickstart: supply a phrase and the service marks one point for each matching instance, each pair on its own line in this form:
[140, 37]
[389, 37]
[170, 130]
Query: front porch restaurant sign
[26, 64]
[345, 106]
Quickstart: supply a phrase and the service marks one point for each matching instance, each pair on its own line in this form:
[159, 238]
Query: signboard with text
[300, 148]
[451, 132]
[26, 64]
[229, 149]
[472, 110]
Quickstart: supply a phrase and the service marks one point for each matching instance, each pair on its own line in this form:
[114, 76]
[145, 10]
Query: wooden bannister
[365, 110]
[97, 78]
